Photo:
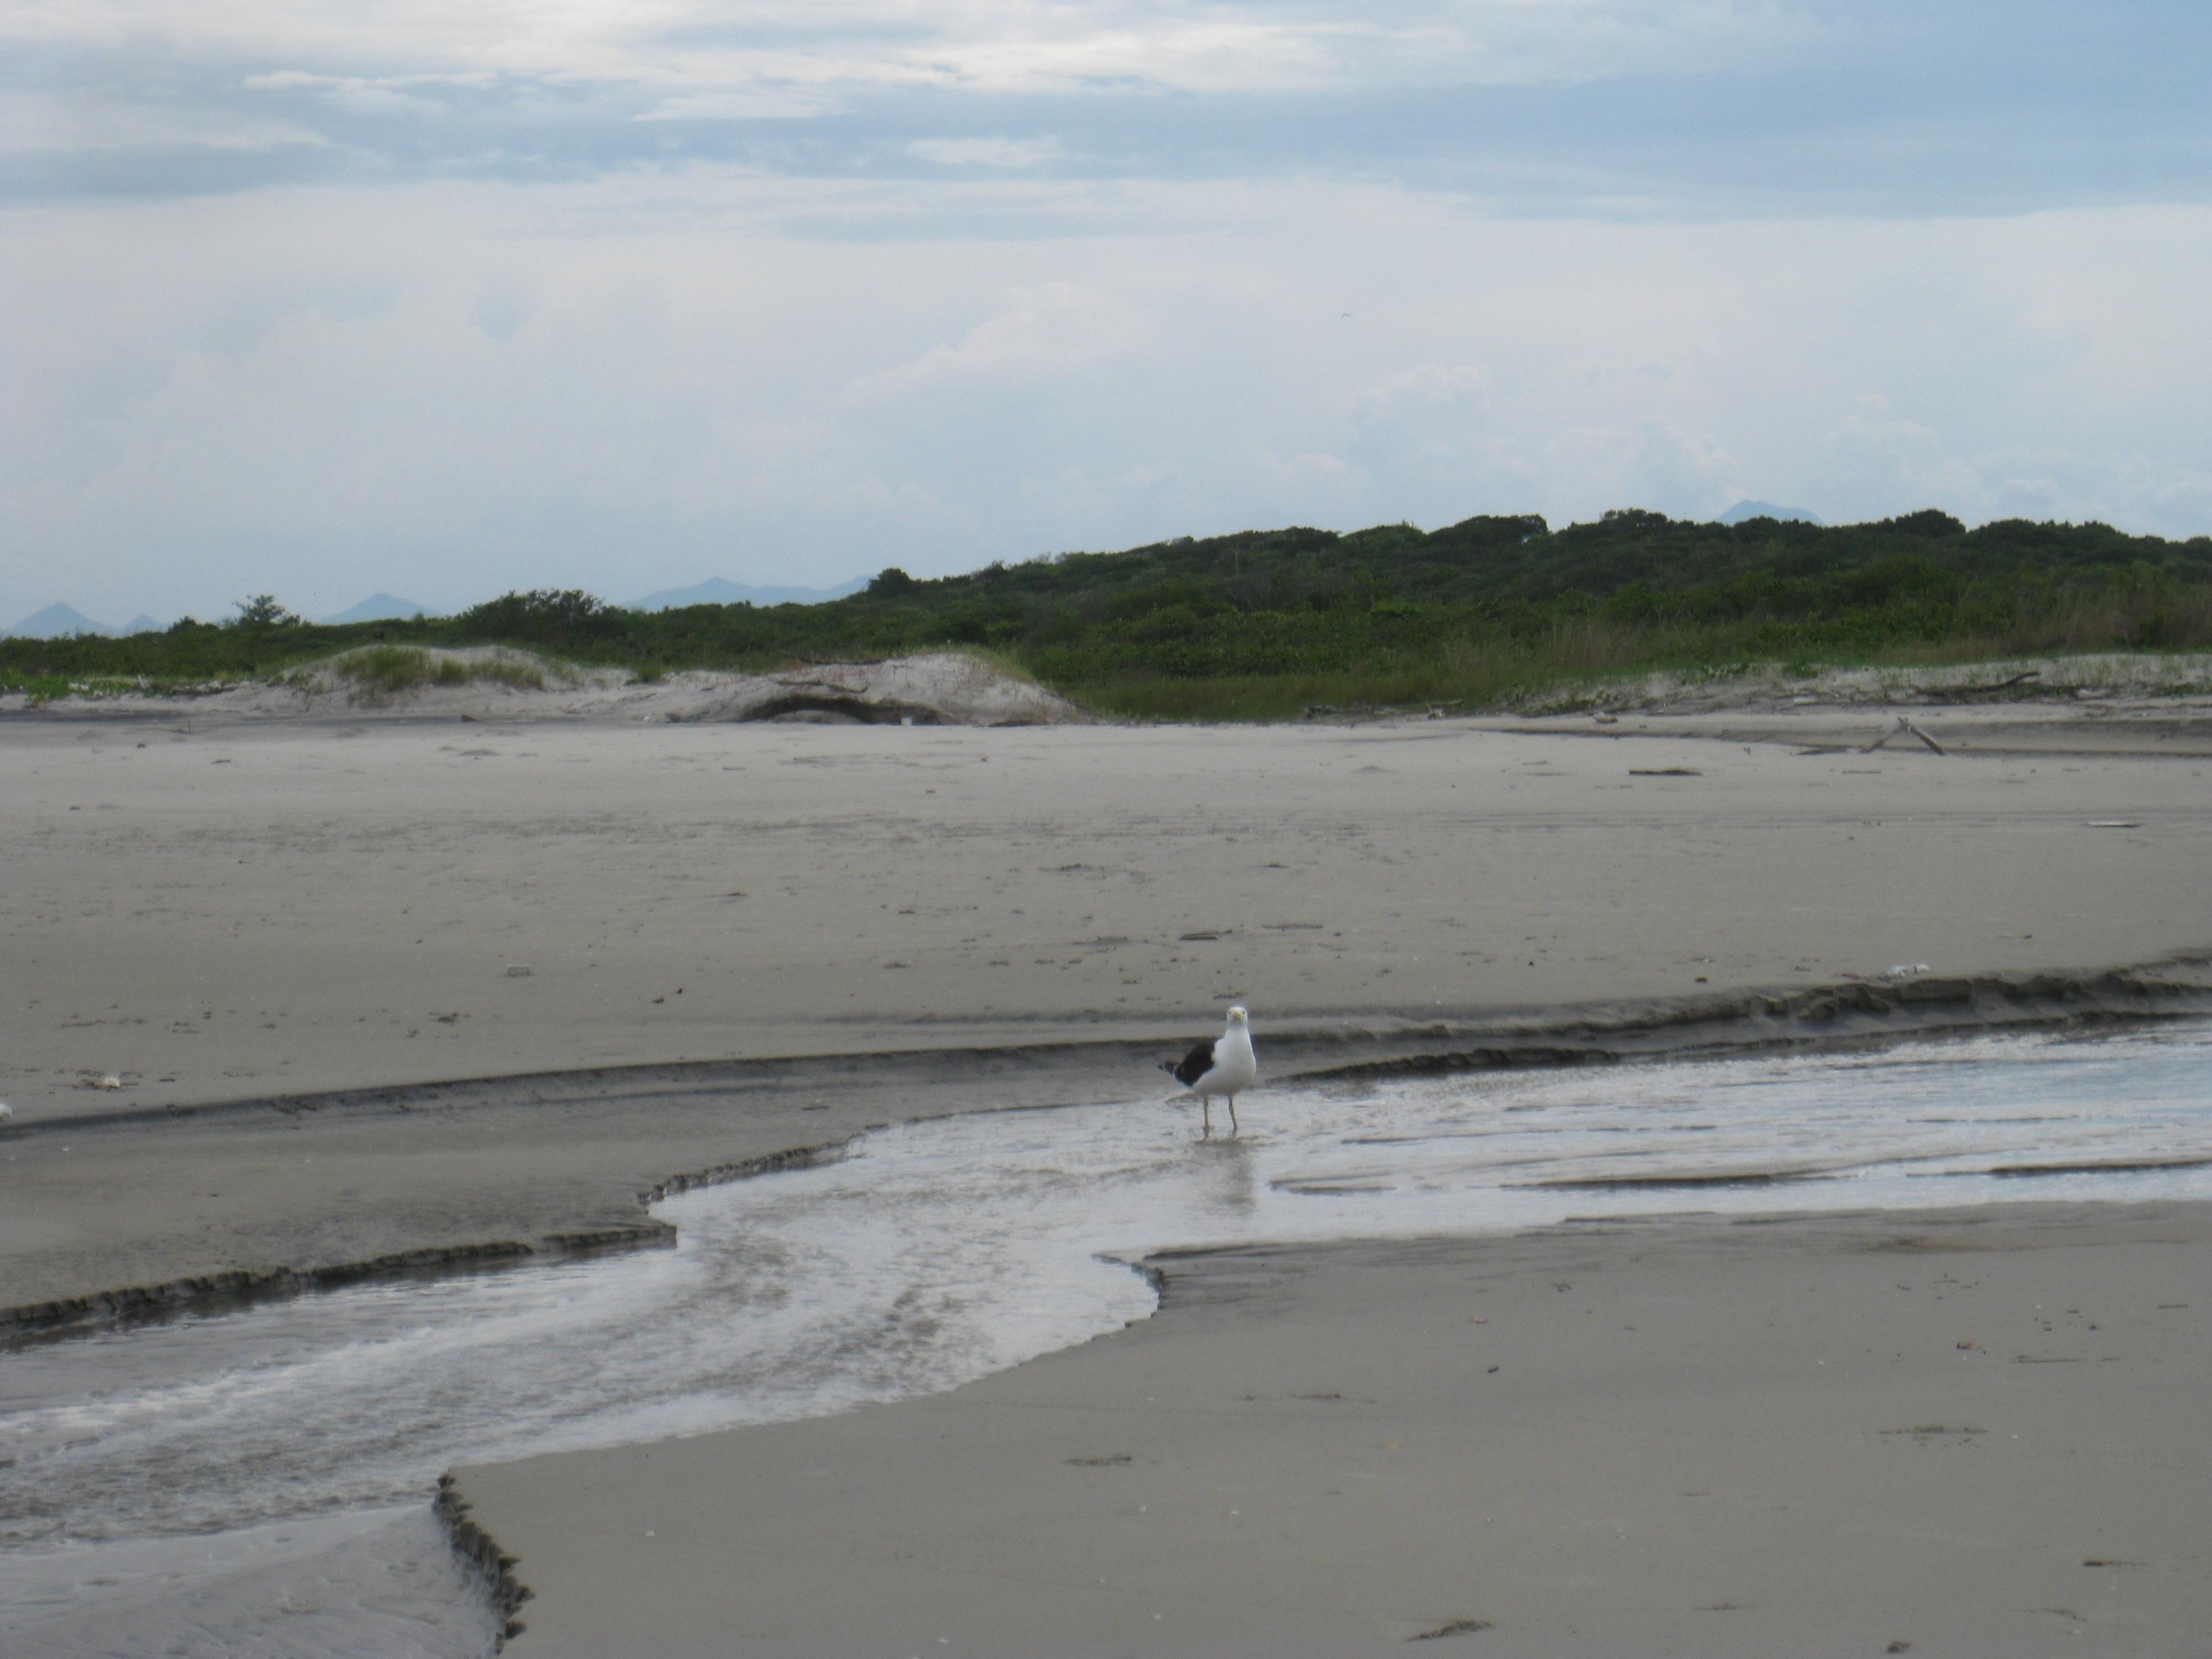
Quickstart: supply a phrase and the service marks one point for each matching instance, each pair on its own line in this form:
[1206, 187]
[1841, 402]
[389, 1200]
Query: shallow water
[256, 1480]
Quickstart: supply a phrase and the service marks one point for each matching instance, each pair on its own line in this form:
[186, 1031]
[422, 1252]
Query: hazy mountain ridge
[1744, 511]
[56, 621]
[60, 620]
[379, 607]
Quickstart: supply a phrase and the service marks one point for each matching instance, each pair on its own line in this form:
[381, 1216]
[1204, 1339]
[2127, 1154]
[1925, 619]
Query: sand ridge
[501, 682]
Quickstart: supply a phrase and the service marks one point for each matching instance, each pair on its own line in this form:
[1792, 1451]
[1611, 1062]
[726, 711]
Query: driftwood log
[1903, 726]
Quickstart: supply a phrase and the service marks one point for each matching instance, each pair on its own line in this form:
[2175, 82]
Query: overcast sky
[446, 297]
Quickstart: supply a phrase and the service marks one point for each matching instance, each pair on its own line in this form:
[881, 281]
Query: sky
[451, 297]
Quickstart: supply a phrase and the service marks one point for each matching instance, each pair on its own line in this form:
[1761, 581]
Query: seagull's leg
[1205, 1107]
[1232, 1114]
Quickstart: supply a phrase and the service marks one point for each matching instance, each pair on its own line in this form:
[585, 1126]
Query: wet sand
[283, 941]
[1976, 1433]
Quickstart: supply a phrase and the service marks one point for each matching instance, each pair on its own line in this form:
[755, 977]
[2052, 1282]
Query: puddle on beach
[256, 1481]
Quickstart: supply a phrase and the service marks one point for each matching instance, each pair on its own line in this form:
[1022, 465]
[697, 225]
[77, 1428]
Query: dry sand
[249, 909]
[284, 940]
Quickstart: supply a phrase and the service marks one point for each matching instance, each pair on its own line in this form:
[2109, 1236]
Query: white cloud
[808, 362]
[35, 123]
[1050, 333]
[1002, 45]
[371, 96]
[447, 391]
[753, 103]
[987, 152]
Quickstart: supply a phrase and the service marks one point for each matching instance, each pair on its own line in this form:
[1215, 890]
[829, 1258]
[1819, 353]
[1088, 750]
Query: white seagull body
[1224, 1066]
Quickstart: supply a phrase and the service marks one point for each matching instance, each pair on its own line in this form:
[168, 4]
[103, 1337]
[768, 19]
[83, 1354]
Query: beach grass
[50, 688]
[375, 672]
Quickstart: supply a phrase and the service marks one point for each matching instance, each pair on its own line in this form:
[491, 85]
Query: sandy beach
[1980, 1433]
[281, 908]
[291, 998]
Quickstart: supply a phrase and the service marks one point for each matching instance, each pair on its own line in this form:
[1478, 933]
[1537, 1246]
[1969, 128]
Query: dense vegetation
[1266, 622]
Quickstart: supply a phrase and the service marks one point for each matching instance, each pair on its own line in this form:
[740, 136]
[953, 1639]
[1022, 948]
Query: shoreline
[1852, 1012]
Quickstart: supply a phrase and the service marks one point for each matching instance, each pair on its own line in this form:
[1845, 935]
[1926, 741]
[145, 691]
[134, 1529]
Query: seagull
[1221, 1067]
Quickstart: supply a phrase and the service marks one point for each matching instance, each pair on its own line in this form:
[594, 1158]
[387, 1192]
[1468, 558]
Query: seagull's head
[1238, 1017]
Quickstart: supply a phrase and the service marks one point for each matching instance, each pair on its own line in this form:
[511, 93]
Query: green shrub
[1267, 621]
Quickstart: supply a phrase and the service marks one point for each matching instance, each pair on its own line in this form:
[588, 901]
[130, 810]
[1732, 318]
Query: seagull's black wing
[1194, 1065]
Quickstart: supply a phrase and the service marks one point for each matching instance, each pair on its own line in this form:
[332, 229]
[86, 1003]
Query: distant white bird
[1222, 1065]
[5, 1112]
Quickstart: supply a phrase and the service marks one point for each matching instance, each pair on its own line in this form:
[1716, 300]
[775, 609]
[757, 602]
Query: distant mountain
[141, 623]
[1745, 510]
[379, 607]
[715, 591]
[55, 621]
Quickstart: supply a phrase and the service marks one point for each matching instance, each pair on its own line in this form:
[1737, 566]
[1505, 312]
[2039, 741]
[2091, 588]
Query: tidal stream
[256, 1481]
